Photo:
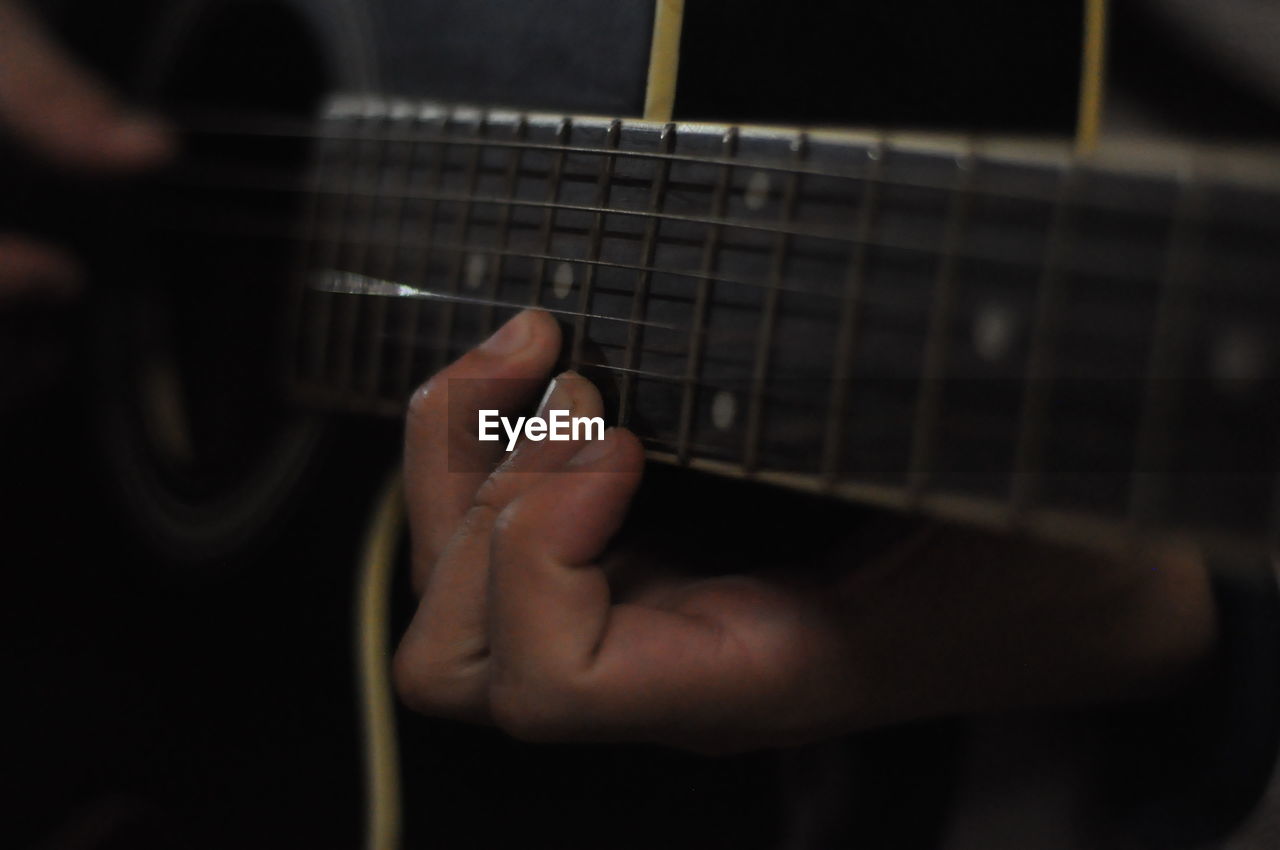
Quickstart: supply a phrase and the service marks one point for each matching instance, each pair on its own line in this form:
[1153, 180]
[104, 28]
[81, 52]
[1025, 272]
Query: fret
[448, 313]
[697, 331]
[842, 369]
[394, 175]
[554, 178]
[928, 403]
[603, 184]
[764, 334]
[1034, 414]
[639, 299]
[1166, 365]
[502, 237]
[418, 270]
[373, 153]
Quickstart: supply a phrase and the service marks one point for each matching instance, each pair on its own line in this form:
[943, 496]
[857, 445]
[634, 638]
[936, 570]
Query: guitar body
[214, 458]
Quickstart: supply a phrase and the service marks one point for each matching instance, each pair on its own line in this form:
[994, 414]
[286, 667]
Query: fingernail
[510, 338]
[558, 395]
[595, 450]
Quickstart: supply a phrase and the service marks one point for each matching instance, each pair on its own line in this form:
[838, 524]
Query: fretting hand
[524, 621]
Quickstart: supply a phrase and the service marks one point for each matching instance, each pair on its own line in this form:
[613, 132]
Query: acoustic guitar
[995, 316]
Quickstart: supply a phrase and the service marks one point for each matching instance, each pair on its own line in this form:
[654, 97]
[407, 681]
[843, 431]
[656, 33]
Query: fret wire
[395, 174]
[417, 273]
[603, 185]
[1168, 352]
[373, 151]
[928, 404]
[549, 215]
[841, 376]
[697, 330]
[502, 234]
[1034, 414]
[462, 225]
[639, 297]
[329, 253]
[764, 345]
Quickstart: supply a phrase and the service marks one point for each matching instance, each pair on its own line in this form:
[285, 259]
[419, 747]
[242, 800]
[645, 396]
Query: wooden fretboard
[991, 333]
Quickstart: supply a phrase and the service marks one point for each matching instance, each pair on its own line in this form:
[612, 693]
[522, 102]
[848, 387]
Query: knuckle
[430, 686]
[513, 525]
[493, 493]
[534, 713]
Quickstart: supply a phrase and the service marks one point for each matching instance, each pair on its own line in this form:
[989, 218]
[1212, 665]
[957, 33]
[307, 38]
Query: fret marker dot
[562, 280]
[993, 328]
[1239, 360]
[757, 190]
[476, 266]
[724, 409]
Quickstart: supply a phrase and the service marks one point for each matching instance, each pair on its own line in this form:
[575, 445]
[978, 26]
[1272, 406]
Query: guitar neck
[995, 333]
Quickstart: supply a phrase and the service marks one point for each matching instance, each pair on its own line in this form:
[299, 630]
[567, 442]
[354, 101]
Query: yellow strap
[1093, 68]
[664, 60]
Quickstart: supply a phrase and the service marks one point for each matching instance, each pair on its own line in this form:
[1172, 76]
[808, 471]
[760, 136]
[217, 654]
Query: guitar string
[984, 423]
[509, 202]
[419, 292]
[793, 375]
[485, 250]
[1095, 264]
[278, 183]
[284, 228]
[302, 129]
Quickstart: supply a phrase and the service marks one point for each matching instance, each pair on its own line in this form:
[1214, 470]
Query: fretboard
[985, 332]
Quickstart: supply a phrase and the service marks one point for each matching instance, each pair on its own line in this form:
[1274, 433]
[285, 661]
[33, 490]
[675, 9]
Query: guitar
[1049, 335]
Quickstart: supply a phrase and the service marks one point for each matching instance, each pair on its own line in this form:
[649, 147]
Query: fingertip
[619, 450]
[530, 338]
[545, 323]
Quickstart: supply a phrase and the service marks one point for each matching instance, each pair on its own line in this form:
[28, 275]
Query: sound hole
[205, 439]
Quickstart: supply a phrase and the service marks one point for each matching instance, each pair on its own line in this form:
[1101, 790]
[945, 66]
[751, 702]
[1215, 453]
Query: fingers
[445, 462]
[58, 109]
[569, 662]
[550, 605]
[31, 268]
[449, 632]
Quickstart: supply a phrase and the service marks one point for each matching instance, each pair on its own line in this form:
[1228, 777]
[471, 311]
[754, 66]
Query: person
[518, 624]
[529, 619]
[55, 109]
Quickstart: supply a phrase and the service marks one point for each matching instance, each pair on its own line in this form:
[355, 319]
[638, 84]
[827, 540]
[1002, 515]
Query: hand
[56, 109]
[525, 621]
